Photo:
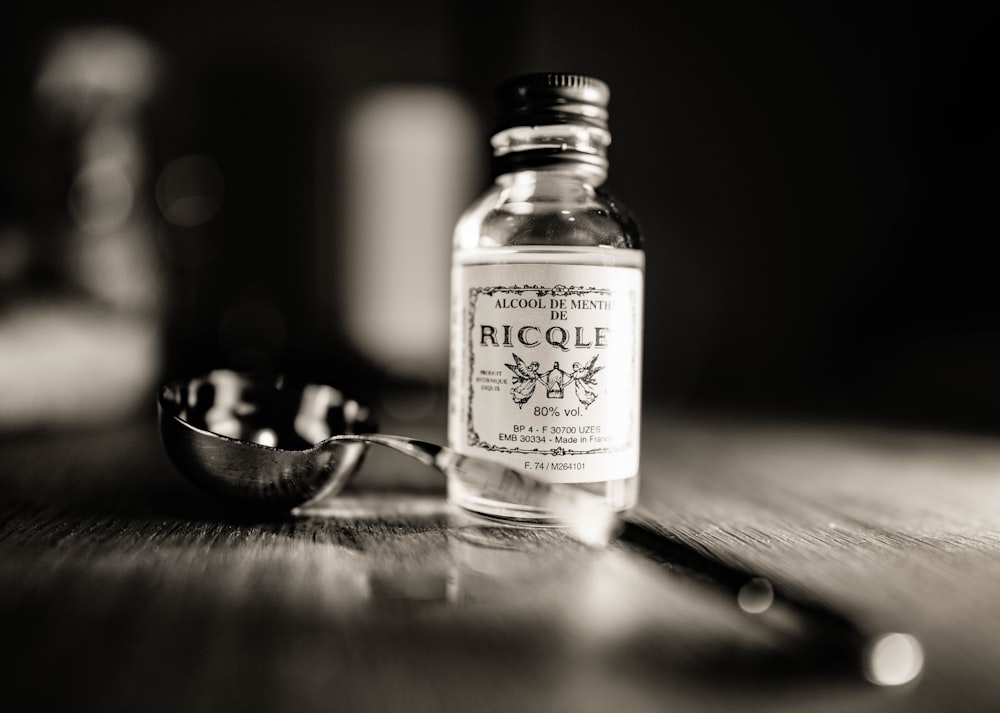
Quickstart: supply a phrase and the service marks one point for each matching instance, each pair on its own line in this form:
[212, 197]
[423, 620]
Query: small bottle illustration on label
[547, 304]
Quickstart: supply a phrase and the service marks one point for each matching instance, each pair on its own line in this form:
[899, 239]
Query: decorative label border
[472, 437]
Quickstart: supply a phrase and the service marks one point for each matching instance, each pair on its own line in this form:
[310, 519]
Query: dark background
[816, 181]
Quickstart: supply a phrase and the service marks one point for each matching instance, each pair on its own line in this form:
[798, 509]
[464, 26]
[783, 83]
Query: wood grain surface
[122, 587]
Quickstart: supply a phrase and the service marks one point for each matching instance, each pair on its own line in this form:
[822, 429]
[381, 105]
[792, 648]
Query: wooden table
[123, 588]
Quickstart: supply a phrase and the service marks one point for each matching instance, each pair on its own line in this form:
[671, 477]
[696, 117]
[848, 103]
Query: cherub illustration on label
[556, 380]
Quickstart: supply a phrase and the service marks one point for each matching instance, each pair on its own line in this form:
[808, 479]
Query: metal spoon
[273, 445]
[269, 444]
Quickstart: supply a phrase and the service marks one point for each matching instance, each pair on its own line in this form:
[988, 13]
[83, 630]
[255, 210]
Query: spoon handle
[585, 515]
[423, 451]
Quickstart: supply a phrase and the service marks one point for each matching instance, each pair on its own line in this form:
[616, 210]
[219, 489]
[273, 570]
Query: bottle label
[548, 368]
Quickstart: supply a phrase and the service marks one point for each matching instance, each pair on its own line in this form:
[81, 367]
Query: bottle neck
[569, 148]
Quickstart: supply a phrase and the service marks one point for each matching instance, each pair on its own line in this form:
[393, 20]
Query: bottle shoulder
[553, 212]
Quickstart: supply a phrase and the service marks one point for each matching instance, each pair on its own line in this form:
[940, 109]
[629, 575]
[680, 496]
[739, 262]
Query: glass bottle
[547, 304]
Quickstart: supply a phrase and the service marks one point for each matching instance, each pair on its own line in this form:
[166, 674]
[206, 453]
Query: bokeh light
[189, 190]
[894, 659]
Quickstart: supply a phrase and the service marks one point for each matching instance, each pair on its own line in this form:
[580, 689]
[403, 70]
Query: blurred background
[272, 186]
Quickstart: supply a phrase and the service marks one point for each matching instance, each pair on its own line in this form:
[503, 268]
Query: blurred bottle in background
[409, 166]
[81, 284]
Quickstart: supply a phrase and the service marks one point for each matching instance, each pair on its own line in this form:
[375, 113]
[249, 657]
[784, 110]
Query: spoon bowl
[254, 440]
